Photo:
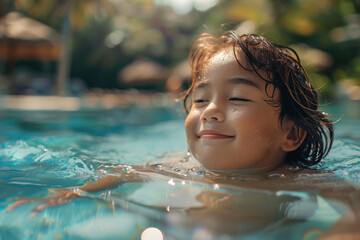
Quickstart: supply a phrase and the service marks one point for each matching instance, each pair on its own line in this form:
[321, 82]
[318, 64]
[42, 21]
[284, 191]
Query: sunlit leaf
[299, 23]
[258, 10]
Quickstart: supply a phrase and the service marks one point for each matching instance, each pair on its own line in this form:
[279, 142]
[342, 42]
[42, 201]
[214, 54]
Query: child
[252, 106]
[251, 109]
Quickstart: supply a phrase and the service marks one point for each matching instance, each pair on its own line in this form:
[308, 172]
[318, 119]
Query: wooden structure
[23, 38]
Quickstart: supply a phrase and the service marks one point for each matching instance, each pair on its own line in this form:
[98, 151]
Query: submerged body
[177, 196]
[225, 202]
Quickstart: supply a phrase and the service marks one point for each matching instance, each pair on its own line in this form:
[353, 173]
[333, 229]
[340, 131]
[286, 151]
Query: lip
[212, 134]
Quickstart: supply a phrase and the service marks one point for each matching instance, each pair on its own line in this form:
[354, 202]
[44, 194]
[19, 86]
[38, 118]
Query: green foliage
[110, 34]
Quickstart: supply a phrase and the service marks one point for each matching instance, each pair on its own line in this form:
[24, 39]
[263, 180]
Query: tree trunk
[63, 68]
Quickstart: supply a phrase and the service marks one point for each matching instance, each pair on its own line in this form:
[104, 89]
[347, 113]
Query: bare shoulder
[299, 172]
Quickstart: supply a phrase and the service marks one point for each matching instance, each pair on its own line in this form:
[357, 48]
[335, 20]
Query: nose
[212, 114]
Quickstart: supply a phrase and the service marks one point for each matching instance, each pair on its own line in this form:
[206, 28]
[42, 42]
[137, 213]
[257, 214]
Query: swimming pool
[42, 150]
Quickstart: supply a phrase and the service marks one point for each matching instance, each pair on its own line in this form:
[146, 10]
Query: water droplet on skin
[304, 175]
[158, 165]
[186, 158]
[276, 175]
[102, 171]
[293, 168]
[126, 169]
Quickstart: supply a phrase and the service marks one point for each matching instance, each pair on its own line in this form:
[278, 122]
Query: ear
[293, 135]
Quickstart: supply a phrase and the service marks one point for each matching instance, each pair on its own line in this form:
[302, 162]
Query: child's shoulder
[296, 171]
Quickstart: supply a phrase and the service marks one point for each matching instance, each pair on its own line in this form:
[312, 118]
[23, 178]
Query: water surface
[42, 150]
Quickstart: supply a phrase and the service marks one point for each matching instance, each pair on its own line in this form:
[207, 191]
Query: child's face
[230, 124]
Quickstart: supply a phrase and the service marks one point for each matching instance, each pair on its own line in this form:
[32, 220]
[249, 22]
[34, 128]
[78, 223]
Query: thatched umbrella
[22, 38]
[143, 73]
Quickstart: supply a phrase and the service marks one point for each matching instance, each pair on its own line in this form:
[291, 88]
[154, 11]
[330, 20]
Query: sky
[185, 6]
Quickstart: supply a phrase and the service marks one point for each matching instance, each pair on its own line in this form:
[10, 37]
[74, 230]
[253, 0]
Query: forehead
[224, 57]
[226, 62]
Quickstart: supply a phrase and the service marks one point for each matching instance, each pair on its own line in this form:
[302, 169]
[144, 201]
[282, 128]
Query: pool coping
[89, 101]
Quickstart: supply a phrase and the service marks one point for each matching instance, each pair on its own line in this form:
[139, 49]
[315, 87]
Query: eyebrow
[244, 81]
[205, 83]
[201, 84]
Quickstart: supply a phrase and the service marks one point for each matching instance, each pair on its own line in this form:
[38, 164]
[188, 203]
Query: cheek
[257, 124]
[244, 118]
[269, 132]
[190, 123]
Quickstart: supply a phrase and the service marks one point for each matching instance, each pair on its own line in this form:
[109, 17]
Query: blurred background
[91, 47]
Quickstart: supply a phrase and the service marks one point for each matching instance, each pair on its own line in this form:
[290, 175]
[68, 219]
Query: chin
[210, 166]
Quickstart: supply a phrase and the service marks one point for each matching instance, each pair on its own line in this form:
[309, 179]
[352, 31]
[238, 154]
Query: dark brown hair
[281, 65]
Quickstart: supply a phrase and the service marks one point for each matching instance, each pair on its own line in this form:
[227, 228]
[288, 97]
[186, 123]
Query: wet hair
[280, 67]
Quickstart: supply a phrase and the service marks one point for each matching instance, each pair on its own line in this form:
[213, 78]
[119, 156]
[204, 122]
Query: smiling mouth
[205, 134]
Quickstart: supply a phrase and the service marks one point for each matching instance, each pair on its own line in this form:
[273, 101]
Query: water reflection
[152, 234]
[180, 199]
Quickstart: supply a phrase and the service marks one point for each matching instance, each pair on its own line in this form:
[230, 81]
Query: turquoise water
[53, 150]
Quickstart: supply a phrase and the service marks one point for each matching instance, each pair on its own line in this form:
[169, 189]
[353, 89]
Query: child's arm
[112, 181]
[64, 196]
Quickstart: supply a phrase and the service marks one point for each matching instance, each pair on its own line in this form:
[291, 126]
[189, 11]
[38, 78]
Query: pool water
[45, 150]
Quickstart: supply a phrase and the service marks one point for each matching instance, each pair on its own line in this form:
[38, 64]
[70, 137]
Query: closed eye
[239, 99]
[200, 100]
